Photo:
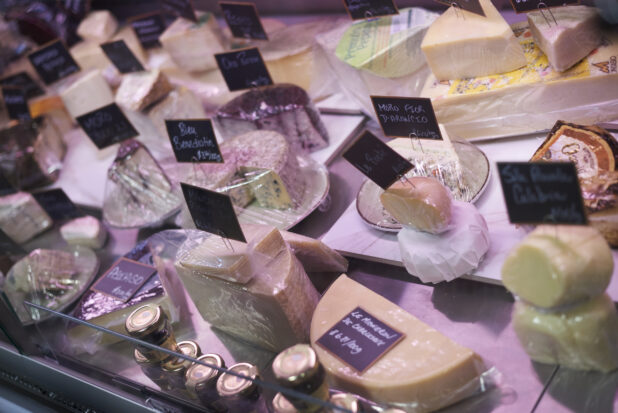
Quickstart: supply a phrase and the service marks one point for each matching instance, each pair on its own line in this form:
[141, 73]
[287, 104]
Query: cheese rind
[87, 231]
[559, 265]
[98, 26]
[21, 217]
[141, 89]
[425, 370]
[584, 337]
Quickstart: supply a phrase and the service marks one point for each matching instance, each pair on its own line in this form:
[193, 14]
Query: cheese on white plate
[139, 90]
[460, 44]
[423, 372]
[87, 231]
[89, 92]
[21, 217]
[575, 33]
[558, 265]
[98, 26]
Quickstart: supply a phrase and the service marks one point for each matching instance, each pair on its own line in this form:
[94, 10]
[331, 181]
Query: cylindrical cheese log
[559, 265]
[584, 337]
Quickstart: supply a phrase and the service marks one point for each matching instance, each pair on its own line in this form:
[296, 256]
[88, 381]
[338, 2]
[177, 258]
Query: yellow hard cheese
[426, 368]
[559, 265]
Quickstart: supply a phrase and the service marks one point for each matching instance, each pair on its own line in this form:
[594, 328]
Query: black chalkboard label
[193, 140]
[122, 57]
[406, 117]
[124, 279]
[106, 126]
[542, 192]
[243, 69]
[5, 186]
[360, 339]
[57, 204]
[15, 103]
[53, 62]
[79, 8]
[148, 28]
[212, 212]
[524, 6]
[180, 8]
[24, 81]
[243, 20]
[378, 161]
[367, 9]
[473, 6]
[8, 245]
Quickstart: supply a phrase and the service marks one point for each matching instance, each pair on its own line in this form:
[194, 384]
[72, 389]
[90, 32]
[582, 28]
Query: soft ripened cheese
[89, 92]
[180, 103]
[98, 26]
[460, 44]
[87, 231]
[425, 370]
[21, 217]
[419, 203]
[559, 265]
[583, 337]
[575, 33]
[193, 45]
[141, 89]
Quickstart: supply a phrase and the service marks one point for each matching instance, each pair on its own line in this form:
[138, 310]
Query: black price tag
[53, 62]
[212, 212]
[406, 117]
[15, 102]
[5, 186]
[473, 6]
[8, 245]
[542, 192]
[360, 339]
[124, 279]
[148, 28]
[243, 69]
[378, 161]
[106, 126]
[79, 8]
[243, 20]
[193, 140]
[180, 8]
[524, 6]
[57, 204]
[24, 81]
[367, 9]
[122, 57]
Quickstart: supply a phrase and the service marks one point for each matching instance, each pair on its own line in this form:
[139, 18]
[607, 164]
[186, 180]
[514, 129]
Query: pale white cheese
[98, 26]
[87, 231]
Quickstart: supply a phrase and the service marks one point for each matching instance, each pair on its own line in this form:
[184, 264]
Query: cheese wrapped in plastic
[87, 231]
[22, 218]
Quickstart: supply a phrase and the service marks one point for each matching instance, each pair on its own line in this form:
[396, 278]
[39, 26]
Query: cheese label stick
[106, 126]
[148, 28]
[57, 204]
[473, 6]
[524, 6]
[15, 102]
[53, 62]
[367, 9]
[406, 117]
[180, 8]
[124, 279]
[122, 57]
[193, 140]
[243, 20]
[243, 69]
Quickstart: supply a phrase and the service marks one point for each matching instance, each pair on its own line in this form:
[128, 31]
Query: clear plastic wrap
[51, 278]
[87, 231]
[22, 218]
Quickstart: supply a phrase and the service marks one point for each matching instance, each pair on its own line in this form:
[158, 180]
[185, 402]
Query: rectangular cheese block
[98, 26]
[21, 217]
[461, 44]
[139, 90]
[88, 92]
[582, 337]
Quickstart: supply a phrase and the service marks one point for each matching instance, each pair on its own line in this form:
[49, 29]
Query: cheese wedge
[425, 369]
[98, 26]
[87, 231]
[460, 44]
[89, 92]
[141, 89]
[559, 265]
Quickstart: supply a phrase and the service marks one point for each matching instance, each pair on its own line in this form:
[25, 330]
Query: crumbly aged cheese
[180, 103]
[460, 44]
[193, 45]
[270, 26]
[89, 92]
[87, 231]
[559, 265]
[267, 187]
[575, 33]
[419, 203]
[583, 337]
[532, 98]
[139, 90]
[98, 26]
[21, 217]
[41, 268]
[425, 370]
[280, 296]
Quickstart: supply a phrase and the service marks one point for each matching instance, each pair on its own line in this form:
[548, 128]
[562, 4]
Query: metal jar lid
[283, 405]
[346, 401]
[145, 320]
[198, 376]
[188, 348]
[229, 385]
[296, 365]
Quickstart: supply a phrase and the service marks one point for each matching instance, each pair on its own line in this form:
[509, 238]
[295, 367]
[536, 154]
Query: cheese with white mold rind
[425, 370]
[582, 337]
[22, 218]
[558, 265]
[87, 231]
[98, 26]
[460, 44]
[575, 33]
[89, 92]
[141, 89]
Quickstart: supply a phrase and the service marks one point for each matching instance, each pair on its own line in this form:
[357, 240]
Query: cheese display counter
[172, 241]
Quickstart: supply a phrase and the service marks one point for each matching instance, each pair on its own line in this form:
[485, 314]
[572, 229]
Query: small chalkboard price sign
[57, 204]
[23, 81]
[124, 279]
[53, 62]
[193, 140]
[212, 212]
[367, 9]
[406, 117]
[359, 339]
[79, 8]
[148, 28]
[473, 6]
[243, 69]
[5, 186]
[122, 57]
[542, 192]
[243, 20]
[180, 8]
[377, 160]
[15, 103]
[106, 126]
[525, 6]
